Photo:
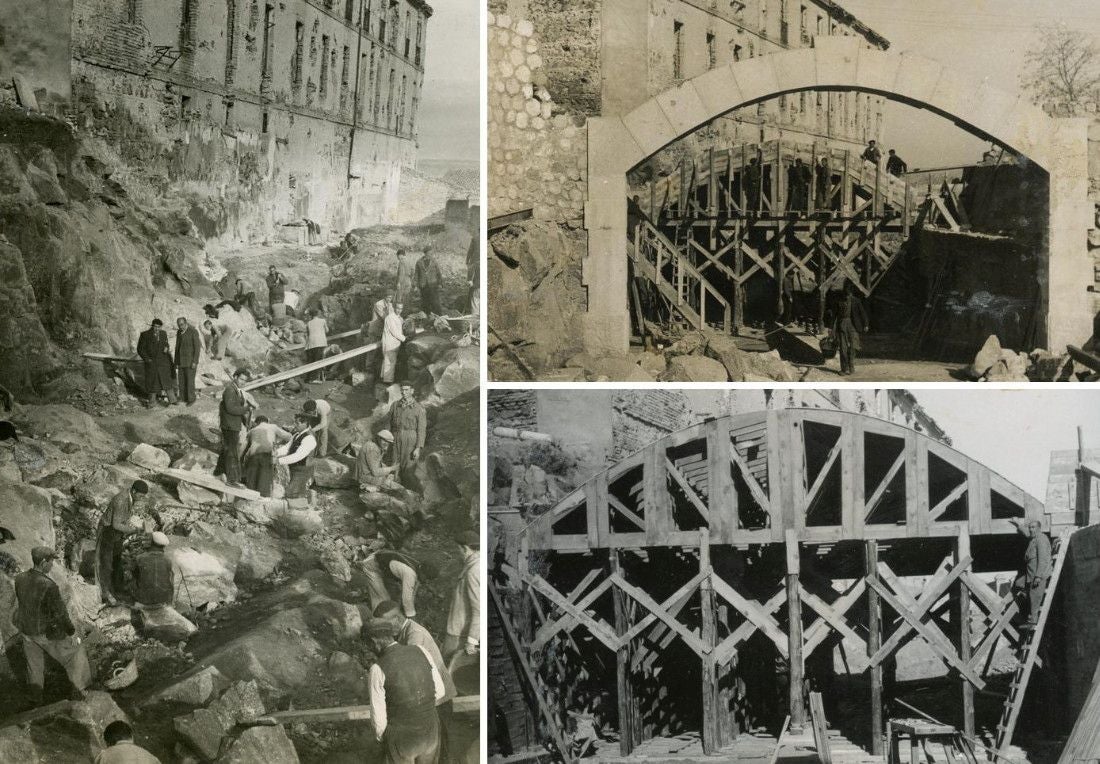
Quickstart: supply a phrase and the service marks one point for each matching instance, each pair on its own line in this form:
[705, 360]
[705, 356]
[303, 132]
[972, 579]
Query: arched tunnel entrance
[736, 225]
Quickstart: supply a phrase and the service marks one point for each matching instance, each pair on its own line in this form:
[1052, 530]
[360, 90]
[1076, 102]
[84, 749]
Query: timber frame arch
[1060, 146]
[771, 536]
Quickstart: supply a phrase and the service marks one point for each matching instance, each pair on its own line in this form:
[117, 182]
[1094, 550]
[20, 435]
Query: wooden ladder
[1028, 651]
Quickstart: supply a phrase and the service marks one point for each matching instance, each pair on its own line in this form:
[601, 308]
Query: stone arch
[1059, 146]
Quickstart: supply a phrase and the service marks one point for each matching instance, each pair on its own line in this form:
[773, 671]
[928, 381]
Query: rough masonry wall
[34, 46]
[248, 164]
[640, 417]
[537, 152]
[513, 408]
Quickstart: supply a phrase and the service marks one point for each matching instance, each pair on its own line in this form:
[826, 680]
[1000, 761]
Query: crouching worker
[155, 591]
[404, 688]
[388, 567]
[47, 630]
[297, 455]
[121, 748]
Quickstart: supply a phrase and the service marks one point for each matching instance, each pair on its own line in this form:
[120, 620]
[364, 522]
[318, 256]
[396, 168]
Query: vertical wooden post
[846, 186]
[623, 686]
[711, 726]
[822, 277]
[874, 642]
[794, 632]
[738, 286]
[779, 184]
[962, 615]
[811, 201]
[652, 193]
[742, 195]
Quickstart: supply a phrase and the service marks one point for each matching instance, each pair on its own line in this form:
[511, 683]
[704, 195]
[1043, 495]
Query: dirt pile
[536, 297]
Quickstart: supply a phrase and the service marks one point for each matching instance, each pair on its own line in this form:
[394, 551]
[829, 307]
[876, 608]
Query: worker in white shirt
[464, 619]
[371, 332]
[297, 455]
[388, 565]
[316, 341]
[323, 409]
[393, 334]
[404, 688]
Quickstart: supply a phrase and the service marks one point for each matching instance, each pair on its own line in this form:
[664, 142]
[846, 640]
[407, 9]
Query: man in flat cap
[464, 619]
[47, 630]
[160, 371]
[404, 688]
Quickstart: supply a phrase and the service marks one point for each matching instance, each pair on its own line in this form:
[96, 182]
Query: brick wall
[640, 417]
[512, 408]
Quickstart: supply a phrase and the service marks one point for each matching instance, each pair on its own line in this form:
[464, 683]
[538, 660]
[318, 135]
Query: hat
[386, 435]
[160, 539]
[471, 539]
[139, 486]
[380, 628]
[157, 322]
[40, 553]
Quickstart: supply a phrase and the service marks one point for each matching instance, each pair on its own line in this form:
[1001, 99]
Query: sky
[1013, 431]
[450, 113]
[986, 38]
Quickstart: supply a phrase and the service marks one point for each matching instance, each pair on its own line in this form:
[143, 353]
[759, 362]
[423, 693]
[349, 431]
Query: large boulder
[768, 366]
[458, 371]
[988, 355]
[204, 728]
[291, 522]
[166, 624]
[149, 457]
[26, 511]
[206, 576]
[330, 473]
[267, 744]
[62, 732]
[68, 428]
[723, 348]
[694, 368]
[193, 690]
[197, 460]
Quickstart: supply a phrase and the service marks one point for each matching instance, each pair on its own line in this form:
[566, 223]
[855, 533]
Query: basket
[122, 675]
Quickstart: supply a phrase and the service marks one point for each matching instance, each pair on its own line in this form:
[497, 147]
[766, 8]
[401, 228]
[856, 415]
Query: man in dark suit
[231, 416]
[153, 349]
[188, 351]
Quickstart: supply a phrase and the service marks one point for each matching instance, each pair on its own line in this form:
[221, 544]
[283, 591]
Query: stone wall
[537, 152]
[640, 417]
[35, 47]
[513, 408]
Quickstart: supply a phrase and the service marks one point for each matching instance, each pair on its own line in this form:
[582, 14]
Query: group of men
[165, 369]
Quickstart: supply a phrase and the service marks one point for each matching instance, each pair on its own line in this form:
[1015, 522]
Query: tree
[1063, 67]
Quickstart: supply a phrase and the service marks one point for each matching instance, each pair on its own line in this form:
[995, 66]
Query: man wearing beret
[404, 688]
[47, 630]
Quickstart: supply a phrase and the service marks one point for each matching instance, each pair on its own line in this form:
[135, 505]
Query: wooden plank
[463, 704]
[600, 630]
[621, 508]
[298, 371]
[112, 357]
[936, 587]
[624, 690]
[876, 497]
[711, 733]
[874, 642]
[754, 612]
[819, 629]
[330, 338]
[529, 674]
[962, 619]
[820, 728]
[568, 621]
[210, 483]
[795, 663]
[725, 651]
[720, 488]
[689, 637]
[693, 497]
[938, 510]
[829, 614]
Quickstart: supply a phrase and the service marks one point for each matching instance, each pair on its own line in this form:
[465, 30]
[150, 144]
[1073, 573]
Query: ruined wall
[642, 416]
[248, 110]
[35, 47]
[513, 408]
[537, 151]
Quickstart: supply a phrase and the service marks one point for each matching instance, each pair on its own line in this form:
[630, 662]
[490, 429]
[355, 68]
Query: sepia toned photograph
[792, 190]
[240, 381]
[778, 575]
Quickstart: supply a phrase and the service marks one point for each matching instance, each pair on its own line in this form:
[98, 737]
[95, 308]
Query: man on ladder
[1031, 583]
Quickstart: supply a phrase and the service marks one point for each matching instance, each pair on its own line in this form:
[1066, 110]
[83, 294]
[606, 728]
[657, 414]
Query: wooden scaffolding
[731, 215]
[775, 535]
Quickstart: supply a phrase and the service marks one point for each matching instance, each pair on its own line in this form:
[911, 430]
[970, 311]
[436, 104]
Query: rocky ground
[269, 584]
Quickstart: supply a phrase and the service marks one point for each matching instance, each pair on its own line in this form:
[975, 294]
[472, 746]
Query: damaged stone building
[644, 162]
[286, 111]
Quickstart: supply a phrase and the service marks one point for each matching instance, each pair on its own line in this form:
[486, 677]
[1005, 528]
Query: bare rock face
[458, 371]
[26, 511]
[206, 576]
[24, 344]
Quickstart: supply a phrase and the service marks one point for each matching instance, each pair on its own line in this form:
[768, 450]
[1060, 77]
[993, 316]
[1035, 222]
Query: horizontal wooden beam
[210, 483]
[463, 704]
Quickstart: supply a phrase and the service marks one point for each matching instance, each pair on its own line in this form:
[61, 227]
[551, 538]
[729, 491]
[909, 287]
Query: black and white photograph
[240, 383]
[834, 575]
[793, 190]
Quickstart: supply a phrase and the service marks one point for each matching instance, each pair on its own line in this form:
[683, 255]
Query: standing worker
[47, 630]
[895, 165]
[872, 153]
[152, 347]
[393, 335]
[404, 277]
[429, 280]
[259, 455]
[1031, 583]
[114, 526]
[297, 455]
[751, 177]
[409, 425]
[316, 341]
[849, 321]
[323, 410]
[464, 619]
[188, 352]
[276, 293]
[404, 688]
[231, 415]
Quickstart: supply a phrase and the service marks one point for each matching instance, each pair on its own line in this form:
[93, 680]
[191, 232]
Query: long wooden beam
[298, 371]
[463, 704]
[210, 483]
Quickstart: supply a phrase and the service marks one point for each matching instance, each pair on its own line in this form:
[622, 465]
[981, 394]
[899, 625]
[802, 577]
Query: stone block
[718, 90]
[795, 69]
[611, 147]
[755, 77]
[837, 59]
[877, 70]
[683, 108]
[149, 457]
[650, 127]
[918, 77]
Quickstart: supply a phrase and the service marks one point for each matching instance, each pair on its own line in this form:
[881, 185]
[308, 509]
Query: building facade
[265, 113]
[605, 57]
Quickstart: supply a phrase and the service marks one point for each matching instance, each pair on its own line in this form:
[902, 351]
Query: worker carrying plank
[404, 688]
